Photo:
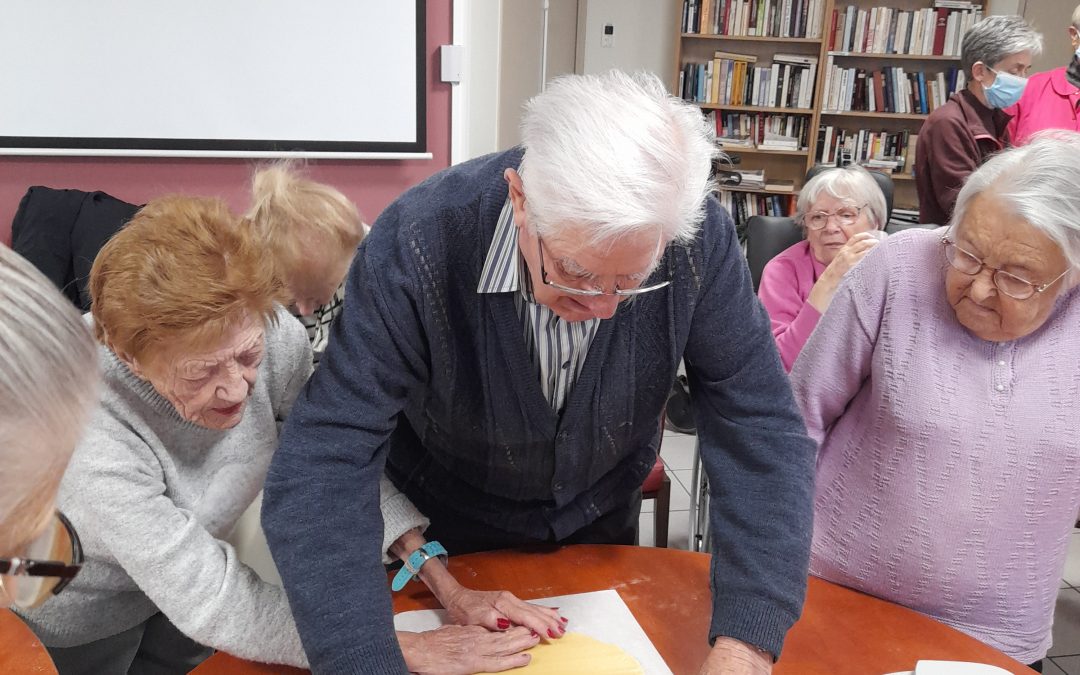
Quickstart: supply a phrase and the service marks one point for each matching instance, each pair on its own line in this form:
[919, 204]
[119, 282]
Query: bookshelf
[887, 65]
[873, 76]
[753, 67]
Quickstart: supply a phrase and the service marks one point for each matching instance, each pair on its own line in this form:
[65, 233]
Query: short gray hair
[1037, 182]
[615, 154]
[851, 184]
[48, 385]
[997, 37]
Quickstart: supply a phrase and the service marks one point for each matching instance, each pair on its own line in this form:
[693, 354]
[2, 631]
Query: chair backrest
[884, 181]
[766, 237]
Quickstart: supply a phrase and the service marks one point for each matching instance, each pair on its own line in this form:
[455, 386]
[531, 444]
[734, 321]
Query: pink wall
[371, 184]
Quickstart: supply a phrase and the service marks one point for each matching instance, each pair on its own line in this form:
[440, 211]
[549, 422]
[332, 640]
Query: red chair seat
[655, 477]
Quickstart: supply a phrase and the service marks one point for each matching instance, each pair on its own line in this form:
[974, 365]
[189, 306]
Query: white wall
[480, 34]
[644, 36]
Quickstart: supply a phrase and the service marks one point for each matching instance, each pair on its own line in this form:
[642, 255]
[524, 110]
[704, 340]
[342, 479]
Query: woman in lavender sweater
[943, 385]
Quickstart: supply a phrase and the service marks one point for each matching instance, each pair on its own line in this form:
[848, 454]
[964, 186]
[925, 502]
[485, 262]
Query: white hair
[48, 385]
[1076, 18]
[997, 37]
[615, 154]
[851, 184]
[1037, 183]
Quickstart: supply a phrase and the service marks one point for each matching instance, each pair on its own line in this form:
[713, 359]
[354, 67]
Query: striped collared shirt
[557, 347]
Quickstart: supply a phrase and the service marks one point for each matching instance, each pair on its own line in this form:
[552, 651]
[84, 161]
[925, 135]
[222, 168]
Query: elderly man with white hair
[995, 57]
[48, 386]
[942, 385]
[511, 330]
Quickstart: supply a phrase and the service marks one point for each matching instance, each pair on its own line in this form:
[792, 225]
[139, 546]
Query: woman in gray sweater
[200, 366]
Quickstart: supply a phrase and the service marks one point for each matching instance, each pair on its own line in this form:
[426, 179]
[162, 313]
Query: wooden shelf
[739, 150]
[880, 115]
[752, 38]
[754, 108]
[909, 57]
[766, 191]
[902, 176]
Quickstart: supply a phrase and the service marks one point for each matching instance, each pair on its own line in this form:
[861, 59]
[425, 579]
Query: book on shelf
[885, 151]
[892, 89]
[753, 18]
[752, 179]
[737, 79]
[752, 130]
[780, 185]
[744, 205]
[931, 31]
[773, 141]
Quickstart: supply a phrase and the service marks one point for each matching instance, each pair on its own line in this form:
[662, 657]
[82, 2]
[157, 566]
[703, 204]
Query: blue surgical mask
[1006, 89]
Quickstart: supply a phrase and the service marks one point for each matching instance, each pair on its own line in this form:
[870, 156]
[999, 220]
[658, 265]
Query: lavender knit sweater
[949, 467]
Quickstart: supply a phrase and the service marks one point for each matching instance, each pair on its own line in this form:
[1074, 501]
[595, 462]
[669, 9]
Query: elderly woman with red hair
[201, 365]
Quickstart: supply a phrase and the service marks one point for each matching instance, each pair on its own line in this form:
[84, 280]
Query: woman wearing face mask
[1050, 99]
[957, 137]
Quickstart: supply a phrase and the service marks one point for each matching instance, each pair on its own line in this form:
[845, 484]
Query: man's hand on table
[732, 657]
[462, 650]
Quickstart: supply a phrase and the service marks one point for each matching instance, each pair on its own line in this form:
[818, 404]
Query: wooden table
[20, 650]
[842, 632]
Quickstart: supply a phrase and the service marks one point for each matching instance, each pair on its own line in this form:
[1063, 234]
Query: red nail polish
[503, 624]
[551, 634]
[534, 634]
[564, 619]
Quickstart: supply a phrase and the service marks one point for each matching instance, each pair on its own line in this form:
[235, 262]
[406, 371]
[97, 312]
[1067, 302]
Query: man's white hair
[1037, 183]
[48, 385]
[615, 154]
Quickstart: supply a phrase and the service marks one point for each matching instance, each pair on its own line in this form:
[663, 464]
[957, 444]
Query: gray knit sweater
[153, 497]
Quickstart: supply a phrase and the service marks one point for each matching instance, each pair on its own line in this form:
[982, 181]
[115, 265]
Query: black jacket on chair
[61, 232]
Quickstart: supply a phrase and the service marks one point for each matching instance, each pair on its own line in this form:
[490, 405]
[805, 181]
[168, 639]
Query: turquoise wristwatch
[415, 561]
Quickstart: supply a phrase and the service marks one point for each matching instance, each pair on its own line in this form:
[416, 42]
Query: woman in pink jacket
[842, 212]
[1050, 99]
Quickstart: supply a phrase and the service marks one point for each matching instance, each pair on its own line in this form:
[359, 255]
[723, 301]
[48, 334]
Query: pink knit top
[949, 466]
[786, 282]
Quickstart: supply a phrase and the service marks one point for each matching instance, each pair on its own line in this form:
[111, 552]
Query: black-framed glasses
[844, 217]
[52, 560]
[1011, 285]
[596, 291]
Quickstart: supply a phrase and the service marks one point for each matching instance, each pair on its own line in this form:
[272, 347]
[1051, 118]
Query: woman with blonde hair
[48, 387]
[201, 365]
[312, 231]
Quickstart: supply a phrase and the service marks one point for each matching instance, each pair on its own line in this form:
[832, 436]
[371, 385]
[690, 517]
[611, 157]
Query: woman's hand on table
[498, 610]
[462, 650]
[732, 657]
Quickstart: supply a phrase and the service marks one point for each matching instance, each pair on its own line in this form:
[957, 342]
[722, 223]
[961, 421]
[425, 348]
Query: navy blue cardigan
[423, 370]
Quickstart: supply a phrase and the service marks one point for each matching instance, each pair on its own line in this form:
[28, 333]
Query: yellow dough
[576, 653]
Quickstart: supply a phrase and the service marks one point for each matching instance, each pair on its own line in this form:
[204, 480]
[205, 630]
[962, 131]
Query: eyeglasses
[1009, 284]
[53, 559]
[844, 217]
[596, 291]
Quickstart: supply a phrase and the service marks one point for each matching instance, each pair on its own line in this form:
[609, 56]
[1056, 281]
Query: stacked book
[752, 179]
[754, 18]
[884, 151]
[736, 80]
[891, 89]
[901, 219]
[936, 31]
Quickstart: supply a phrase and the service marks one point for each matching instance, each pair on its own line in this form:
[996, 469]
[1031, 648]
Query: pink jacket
[785, 285]
[1049, 102]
